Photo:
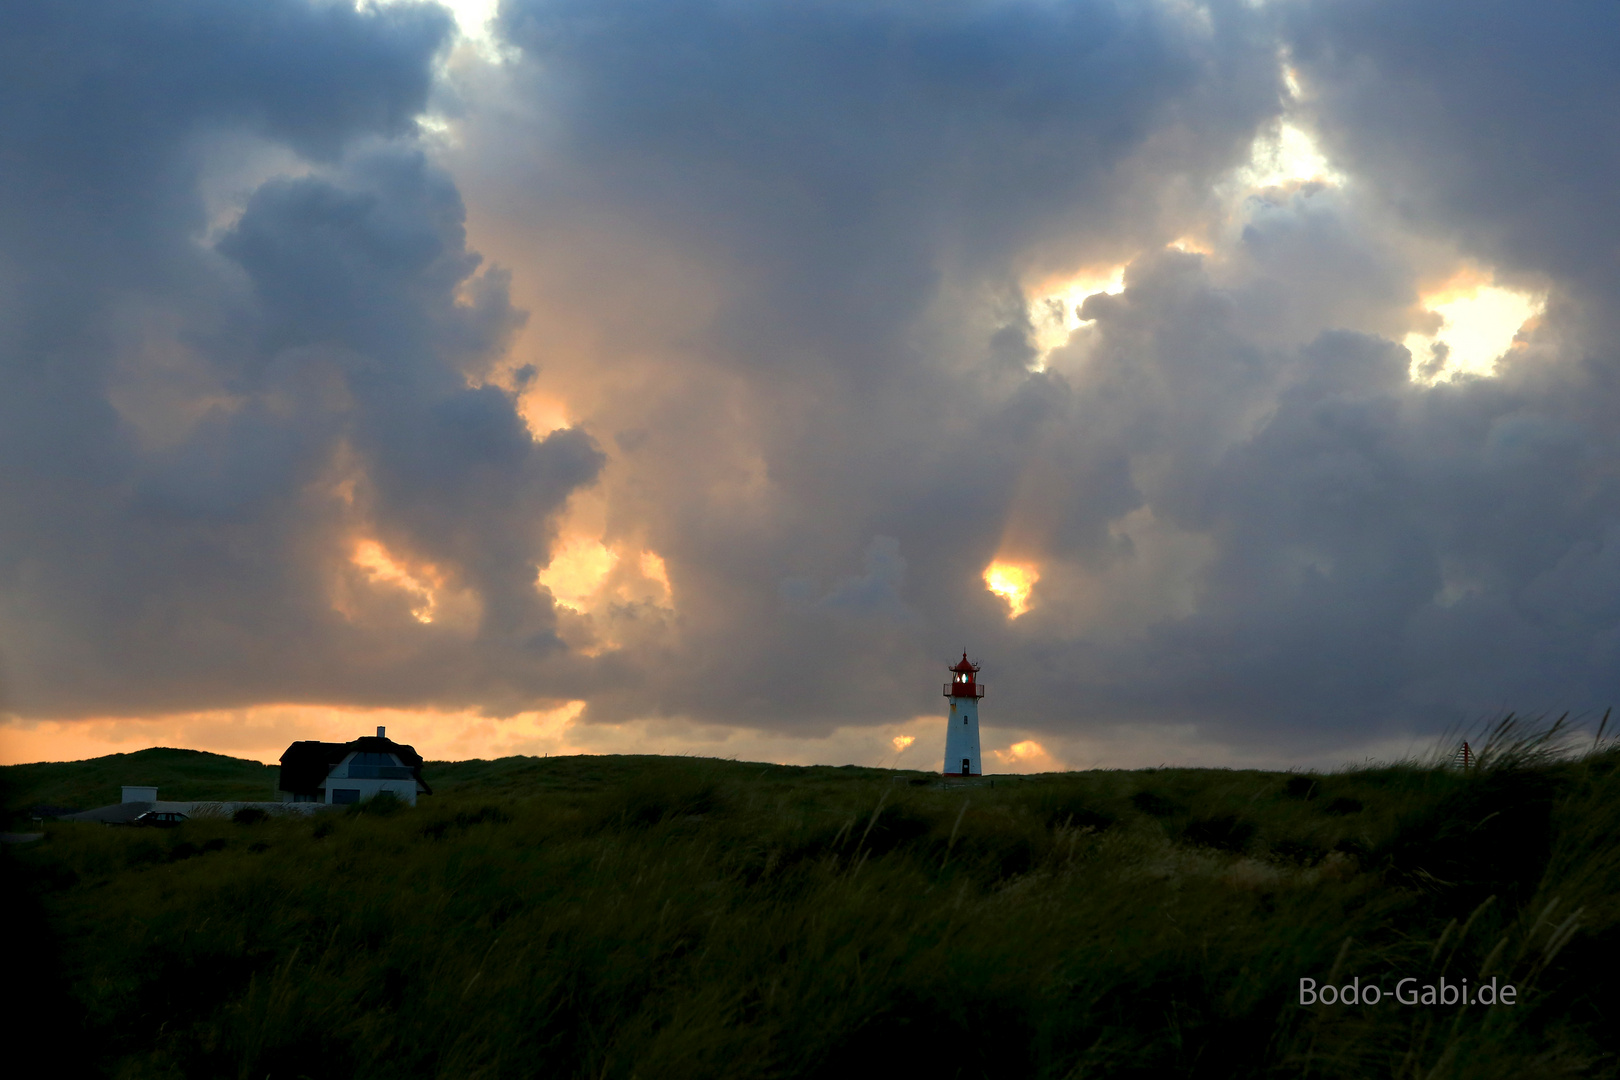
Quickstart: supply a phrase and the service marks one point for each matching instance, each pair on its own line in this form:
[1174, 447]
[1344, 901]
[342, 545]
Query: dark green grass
[676, 917]
[183, 775]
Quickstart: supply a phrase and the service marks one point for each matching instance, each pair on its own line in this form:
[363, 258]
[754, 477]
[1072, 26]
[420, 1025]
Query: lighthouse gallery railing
[956, 689]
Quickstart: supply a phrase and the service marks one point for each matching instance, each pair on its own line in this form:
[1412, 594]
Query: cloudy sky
[1238, 381]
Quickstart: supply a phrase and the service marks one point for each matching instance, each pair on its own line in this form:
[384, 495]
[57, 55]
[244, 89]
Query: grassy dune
[183, 775]
[652, 917]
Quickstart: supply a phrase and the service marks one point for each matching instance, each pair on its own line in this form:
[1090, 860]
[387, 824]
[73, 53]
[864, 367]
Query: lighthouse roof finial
[965, 666]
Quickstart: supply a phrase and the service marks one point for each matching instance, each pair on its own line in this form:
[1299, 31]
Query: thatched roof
[307, 763]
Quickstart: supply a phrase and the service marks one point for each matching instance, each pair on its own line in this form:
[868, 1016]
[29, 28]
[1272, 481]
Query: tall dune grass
[680, 917]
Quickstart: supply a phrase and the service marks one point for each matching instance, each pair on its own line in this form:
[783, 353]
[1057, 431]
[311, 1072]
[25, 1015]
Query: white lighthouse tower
[962, 731]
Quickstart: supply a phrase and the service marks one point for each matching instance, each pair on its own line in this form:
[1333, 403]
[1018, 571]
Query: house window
[303, 796]
[369, 766]
[352, 795]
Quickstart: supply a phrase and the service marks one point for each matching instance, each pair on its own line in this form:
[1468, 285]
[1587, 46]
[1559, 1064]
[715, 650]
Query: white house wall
[338, 778]
[404, 790]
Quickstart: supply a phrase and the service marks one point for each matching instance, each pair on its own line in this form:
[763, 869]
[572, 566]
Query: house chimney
[139, 794]
[382, 733]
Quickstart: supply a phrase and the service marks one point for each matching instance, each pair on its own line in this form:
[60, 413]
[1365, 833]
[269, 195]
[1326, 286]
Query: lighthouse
[962, 731]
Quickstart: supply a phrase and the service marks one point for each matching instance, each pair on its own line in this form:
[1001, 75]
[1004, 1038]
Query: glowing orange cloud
[1027, 756]
[383, 568]
[542, 413]
[1464, 282]
[576, 571]
[1012, 582]
[263, 732]
[653, 568]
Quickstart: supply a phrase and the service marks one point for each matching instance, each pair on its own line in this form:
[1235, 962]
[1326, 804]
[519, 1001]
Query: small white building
[962, 727]
[351, 772]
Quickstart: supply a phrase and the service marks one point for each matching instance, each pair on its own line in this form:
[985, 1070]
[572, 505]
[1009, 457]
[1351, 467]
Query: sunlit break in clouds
[380, 567]
[1026, 756]
[1055, 310]
[1234, 381]
[577, 570]
[1011, 582]
[1478, 323]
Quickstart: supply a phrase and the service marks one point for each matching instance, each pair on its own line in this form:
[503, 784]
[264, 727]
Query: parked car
[162, 819]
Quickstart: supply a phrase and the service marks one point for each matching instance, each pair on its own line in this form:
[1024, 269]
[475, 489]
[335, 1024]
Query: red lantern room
[962, 684]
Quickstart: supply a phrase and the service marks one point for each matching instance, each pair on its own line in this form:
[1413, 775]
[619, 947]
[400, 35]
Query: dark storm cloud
[1494, 120]
[1386, 555]
[796, 241]
[840, 158]
[100, 100]
[1383, 549]
[1366, 555]
[194, 434]
[371, 267]
[865, 182]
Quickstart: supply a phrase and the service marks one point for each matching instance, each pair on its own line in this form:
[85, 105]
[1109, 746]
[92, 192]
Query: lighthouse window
[964, 718]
